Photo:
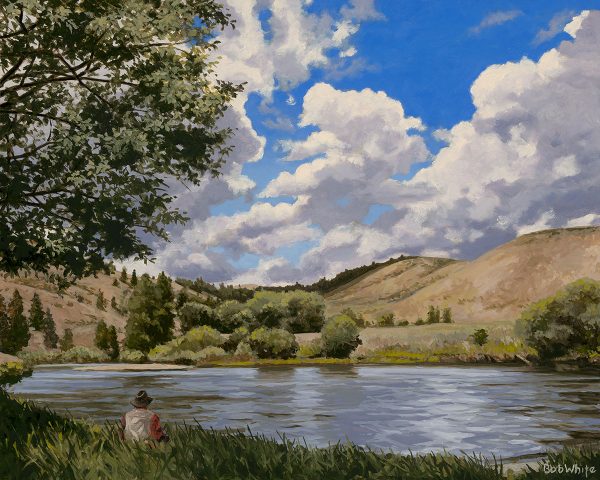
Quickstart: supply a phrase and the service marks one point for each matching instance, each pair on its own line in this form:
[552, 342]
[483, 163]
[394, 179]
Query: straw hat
[142, 399]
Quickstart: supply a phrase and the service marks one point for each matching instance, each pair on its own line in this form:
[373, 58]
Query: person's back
[141, 424]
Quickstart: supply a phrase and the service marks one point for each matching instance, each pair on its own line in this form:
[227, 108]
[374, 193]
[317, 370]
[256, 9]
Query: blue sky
[259, 225]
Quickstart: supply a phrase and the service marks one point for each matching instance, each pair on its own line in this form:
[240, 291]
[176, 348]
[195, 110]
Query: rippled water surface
[501, 411]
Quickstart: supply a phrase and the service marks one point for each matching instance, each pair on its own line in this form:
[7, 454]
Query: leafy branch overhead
[102, 106]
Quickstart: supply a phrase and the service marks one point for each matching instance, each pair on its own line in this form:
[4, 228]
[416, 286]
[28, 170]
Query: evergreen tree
[50, 335]
[133, 281]
[447, 316]
[66, 342]
[151, 317]
[437, 316]
[431, 314]
[123, 277]
[100, 301]
[113, 304]
[4, 324]
[113, 343]
[101, 340]
[181, 299]
[115, 283]
[17, 331]
[36, 313]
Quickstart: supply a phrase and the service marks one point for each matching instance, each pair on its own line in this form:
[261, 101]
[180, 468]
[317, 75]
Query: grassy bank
[37, 443]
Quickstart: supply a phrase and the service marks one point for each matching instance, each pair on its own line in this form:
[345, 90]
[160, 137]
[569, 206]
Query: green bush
[356, 317]
[273, 343]
[244, 350]
[132, 356]
[40, 357]
[386, 320]
[229, 316]
[479, 337]
[402, 323]
[419, 321]
[12, 372]
[305, 311]
[313, 349]
[81, 354]
[193, 314]
[340, 337]
[239, 335]
[566, 322]
[193, 341]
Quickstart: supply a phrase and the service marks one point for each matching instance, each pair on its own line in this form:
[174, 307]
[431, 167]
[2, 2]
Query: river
[500, 411]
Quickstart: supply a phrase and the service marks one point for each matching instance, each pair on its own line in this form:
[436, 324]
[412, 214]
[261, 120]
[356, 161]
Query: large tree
[36, 313]
[102, 105]
[13, 327]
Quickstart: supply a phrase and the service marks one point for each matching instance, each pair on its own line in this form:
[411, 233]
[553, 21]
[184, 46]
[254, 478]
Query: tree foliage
[151, 314]
[50, 335]
[273, 343]
[36, 313]
[340, 337]
[566, 322]
[66, 342]
[101, 105]
[14, 330]
[194, 314]
[101, 338]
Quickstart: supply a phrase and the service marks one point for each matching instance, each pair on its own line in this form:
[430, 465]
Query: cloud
[362, 10]
[494, 19]
[556, 25]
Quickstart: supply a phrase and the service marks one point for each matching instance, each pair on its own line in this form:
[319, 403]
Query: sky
[373, 128]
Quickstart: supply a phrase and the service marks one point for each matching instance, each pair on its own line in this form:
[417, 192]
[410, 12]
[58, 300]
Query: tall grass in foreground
[37, 443]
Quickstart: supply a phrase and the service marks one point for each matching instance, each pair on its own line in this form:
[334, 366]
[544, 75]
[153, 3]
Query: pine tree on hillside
[66, 342]
[36, 313]
[113, 304]
[100, 301]
[113, 343]
[17, 335]
[165, 314]
[123, 277]
[101, 339]
[447, 316]
[133, 281]
[50, 335]
[4, 324]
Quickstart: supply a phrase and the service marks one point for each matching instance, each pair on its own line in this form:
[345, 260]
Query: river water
[501, 411]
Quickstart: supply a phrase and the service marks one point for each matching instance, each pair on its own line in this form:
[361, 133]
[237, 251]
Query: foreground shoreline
[39, 443]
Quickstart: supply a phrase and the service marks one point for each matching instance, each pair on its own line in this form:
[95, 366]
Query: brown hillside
[75, 308]
[495, 287]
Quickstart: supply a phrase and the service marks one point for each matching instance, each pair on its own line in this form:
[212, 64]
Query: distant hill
[494, 287]
[76, 307]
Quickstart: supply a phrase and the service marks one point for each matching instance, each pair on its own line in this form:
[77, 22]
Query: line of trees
[14, 325]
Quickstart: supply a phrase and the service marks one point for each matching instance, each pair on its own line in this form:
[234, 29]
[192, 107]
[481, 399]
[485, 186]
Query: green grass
[36, 443]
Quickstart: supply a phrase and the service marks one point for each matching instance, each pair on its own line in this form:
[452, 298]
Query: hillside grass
[36, 443]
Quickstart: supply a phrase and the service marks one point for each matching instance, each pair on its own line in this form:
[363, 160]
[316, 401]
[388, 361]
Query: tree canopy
[102, 106]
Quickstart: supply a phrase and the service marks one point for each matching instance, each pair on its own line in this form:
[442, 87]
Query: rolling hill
[492, 288]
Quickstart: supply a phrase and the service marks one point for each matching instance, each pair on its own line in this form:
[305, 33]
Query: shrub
[565, 322]
[340, 337]
[66, 342]
[479, 337]
[433, 315]
[211, 353]
[229, 316]
[386, 320]
[39, 357]
[132, 356]
[273, 343]
[194, 314]
[419, 321]
[447, 316]
[272, 315]
[12, 372]
[201, 337]
[312, 349]
[402, 323]
[239, 335]
[81, 354]
[357, 317]
[244, 350]
[305, 311]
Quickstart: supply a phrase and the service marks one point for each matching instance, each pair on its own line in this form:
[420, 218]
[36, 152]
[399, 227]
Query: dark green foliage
[181, 299]
[50, 335]
[113, 343]
[479, 337]
[447, 315]
[272, 315]
[402, 323]
[273, 343]
[36, 313]
[66, 342]
[101, 107]
[151, 314]
[14, 330]
[101, 339]
[194, 314]
[115, 283]
[41, 444]
[133, 281]
[113, 304]
[100, 301]
[340, 337]
[222, 293]
[305, 312]
[123, 276]
[568, 322]
[386, 320]
[433, 315]
[420, 321]
[239, 335]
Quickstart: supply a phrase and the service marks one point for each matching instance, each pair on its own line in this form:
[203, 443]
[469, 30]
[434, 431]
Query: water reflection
[501, 411]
